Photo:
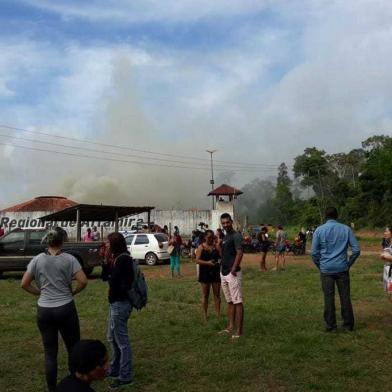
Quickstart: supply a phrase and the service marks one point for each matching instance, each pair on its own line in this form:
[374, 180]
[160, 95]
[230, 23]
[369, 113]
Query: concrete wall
[186, 220]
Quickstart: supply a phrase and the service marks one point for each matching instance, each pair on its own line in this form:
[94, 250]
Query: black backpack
[138, 293]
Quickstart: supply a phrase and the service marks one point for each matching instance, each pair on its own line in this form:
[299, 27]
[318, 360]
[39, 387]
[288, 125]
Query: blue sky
[259, 80]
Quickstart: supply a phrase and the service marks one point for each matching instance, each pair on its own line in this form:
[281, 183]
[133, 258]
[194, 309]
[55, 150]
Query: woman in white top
[53, 272]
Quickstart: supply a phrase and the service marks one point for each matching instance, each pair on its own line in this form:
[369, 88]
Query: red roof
[225, 190]
[42, 203]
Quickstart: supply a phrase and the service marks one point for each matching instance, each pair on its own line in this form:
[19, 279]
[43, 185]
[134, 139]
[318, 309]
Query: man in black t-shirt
[231, 276]
[89, 362]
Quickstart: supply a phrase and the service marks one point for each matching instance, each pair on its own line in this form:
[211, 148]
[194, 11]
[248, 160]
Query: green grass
[284, 347]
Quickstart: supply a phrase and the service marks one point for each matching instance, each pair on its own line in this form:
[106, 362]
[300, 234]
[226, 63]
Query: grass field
[284, 347]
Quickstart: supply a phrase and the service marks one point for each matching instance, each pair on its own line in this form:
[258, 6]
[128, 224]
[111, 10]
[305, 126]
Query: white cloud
[322, 78]
[138, 11]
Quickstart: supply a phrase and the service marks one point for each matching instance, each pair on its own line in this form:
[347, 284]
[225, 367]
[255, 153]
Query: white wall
[186, 220]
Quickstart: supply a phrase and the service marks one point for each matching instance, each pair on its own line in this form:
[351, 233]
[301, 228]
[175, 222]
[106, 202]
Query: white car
[150, 247]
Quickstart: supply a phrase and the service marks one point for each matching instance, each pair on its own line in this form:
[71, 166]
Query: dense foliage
[358, 183]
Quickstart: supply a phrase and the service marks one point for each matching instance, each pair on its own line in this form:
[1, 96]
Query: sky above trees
[257, 80]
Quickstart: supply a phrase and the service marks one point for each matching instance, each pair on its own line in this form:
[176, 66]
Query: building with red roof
[43, 204]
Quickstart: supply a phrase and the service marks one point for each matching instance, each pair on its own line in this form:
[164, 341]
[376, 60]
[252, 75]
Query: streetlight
[212, 177]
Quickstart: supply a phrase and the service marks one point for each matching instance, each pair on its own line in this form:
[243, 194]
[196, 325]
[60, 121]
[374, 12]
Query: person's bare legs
[277, 257]
[262, 262]
[239, 318]
[217, 300]
[283, 261]
[231, 316]
[205, 288]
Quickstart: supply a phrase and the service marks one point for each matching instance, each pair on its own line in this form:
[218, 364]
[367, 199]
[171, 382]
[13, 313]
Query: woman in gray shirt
[53, 272]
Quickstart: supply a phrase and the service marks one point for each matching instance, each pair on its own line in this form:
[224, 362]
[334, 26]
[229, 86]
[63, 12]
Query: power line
[107, 158]
[116, 153]
[133, 149]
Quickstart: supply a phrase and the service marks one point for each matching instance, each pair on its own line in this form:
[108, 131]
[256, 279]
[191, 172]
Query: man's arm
[316, 249]
[355, 250]
[239, 254]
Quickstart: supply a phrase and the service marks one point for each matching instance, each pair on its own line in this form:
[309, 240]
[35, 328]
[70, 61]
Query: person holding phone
[207, 257]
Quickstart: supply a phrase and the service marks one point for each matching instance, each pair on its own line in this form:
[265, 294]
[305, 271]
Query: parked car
[140, 228]
[19, 246]
[148, 247]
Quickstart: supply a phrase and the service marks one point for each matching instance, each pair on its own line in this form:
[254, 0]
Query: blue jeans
[121, 363]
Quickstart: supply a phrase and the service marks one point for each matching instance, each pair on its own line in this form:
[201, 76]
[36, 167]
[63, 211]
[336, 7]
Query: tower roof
[225, 190]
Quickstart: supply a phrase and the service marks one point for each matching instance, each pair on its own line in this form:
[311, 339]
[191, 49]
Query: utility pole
[212, 176]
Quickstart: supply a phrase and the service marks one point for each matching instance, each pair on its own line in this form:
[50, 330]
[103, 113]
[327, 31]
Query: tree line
[358, 183]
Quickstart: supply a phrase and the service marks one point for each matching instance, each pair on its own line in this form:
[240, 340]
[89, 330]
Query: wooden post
[78, 226]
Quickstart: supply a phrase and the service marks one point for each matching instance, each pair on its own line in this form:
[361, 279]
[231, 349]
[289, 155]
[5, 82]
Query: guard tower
[225, 195]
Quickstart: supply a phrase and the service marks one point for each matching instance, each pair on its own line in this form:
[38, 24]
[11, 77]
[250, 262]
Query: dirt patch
[370, 233]
[188, 267]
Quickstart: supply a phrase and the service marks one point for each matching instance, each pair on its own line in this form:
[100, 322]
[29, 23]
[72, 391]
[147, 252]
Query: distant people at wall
[165, 229]
[95, 234]
[195, 241]
[264, 247]
[88, 237]
[208, 257]
[231, 276]
[53, 273]
[89, 362]
[2, 232]
[175, 243]
[280, 246]
[176, 230]
[118, 271]
[329, 253]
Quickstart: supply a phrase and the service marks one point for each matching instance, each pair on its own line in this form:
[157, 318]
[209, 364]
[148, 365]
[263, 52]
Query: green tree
[283, 200]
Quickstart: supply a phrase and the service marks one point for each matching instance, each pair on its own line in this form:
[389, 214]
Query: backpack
[137, 294]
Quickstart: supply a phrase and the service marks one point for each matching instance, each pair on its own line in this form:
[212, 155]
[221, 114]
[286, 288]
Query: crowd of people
[92, 235]
[218, 257]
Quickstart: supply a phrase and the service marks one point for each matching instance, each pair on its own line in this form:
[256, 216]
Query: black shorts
[209, 274]
[264, 248]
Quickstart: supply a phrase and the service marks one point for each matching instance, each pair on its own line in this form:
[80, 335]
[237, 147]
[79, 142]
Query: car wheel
[151, 258]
